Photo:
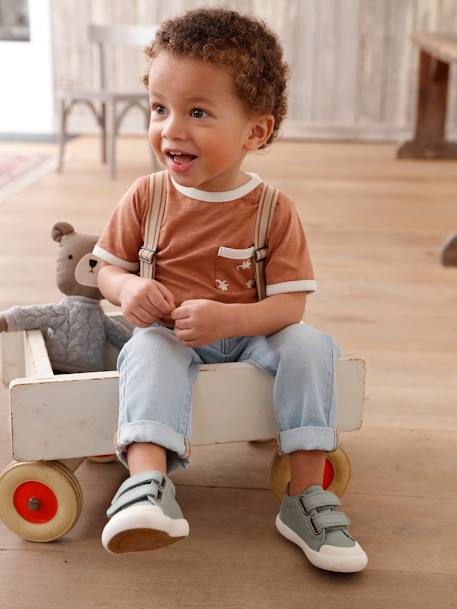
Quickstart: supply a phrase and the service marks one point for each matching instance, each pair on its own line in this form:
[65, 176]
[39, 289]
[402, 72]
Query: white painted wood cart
[59, 420]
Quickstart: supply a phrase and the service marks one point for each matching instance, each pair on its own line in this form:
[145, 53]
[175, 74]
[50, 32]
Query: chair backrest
[118, 35]
[126, 35]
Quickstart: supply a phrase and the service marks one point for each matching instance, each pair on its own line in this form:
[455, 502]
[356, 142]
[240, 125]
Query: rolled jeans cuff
[178, 447]
[307, 438]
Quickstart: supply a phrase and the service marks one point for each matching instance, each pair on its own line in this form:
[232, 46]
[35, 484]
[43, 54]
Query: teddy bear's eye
[70, 257]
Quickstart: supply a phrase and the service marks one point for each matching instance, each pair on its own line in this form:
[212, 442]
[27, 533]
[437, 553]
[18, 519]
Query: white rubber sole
[141, 528]
[330, 558]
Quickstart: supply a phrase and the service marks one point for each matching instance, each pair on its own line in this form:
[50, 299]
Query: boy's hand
[145, 301]
[200, 322]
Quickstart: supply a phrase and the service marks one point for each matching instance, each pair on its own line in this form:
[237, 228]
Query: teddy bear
[75, 330]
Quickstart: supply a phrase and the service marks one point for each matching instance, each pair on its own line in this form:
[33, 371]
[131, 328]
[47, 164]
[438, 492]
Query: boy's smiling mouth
[179, 161]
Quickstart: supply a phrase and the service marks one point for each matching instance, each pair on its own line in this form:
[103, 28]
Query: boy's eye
[198, 113]
[159, 109]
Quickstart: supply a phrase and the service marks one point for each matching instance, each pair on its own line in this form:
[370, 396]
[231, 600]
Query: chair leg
[111, 137]
[155, 161]
[103, 128]
[61, 133]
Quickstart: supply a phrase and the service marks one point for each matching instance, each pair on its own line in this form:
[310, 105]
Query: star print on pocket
[246, 264]
[222, 284]
[235, 270]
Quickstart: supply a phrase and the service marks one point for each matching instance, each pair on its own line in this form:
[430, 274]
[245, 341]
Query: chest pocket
[235, 270]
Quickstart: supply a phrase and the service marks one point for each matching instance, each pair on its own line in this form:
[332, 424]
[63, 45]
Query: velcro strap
[318, 500]
[132, 496]
[328, 520]
[137, 480]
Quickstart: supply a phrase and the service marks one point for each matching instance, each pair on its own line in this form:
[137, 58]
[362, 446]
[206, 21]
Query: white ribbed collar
[219, 197]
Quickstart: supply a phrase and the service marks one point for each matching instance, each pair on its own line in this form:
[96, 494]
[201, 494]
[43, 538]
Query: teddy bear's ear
[60, 229]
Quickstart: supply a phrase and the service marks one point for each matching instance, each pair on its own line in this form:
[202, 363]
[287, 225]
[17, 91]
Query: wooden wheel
[39, 500]
[102, 458]
[337, 472]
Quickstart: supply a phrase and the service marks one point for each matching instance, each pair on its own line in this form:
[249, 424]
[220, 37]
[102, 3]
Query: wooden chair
[108, 106]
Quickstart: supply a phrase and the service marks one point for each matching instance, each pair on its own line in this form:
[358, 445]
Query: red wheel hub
[35, 502]
[328, 474]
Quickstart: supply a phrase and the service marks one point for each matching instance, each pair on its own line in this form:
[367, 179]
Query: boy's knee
[152, 343]
[147, 338]
[302, 341]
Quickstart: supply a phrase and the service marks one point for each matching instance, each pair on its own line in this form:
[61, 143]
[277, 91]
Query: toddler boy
[217, 88]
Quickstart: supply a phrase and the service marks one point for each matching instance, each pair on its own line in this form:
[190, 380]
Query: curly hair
[244, 44]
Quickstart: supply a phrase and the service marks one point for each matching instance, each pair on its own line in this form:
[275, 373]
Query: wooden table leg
[448, 252]
[429, 141]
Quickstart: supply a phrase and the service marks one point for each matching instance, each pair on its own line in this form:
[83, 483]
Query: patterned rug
[18, 171]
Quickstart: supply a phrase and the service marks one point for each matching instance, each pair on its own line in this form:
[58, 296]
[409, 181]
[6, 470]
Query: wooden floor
[375, 226]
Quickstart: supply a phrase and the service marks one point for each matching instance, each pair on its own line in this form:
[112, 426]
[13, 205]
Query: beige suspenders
[154, 217]
[265, 211]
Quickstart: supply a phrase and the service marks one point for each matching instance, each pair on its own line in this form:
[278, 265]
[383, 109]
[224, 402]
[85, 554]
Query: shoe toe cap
[354, 557]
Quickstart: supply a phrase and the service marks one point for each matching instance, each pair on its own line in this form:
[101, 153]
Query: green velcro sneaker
[311, 521]
[144, 515]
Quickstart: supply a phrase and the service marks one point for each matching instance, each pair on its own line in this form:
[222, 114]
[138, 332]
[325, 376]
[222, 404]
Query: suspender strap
[154, 216]
[265, 211]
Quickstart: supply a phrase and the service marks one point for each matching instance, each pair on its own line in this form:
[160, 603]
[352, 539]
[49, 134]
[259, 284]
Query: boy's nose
[174, 129]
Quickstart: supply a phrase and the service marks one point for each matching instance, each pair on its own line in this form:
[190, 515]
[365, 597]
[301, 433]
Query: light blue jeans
[157, 372]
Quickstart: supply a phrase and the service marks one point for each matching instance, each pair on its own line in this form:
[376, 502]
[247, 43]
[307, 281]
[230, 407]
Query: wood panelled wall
[353, 65]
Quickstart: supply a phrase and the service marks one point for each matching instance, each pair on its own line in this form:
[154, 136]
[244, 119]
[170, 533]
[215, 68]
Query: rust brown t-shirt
[206, 242]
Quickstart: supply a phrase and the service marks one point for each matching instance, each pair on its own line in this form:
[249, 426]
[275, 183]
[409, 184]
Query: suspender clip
[260, 254]
[147, 255]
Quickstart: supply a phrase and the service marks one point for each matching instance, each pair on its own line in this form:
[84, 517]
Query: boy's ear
[261, 129]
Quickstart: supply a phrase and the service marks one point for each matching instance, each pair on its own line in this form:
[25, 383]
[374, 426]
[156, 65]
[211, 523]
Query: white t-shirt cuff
[111, 259]
[303, 285]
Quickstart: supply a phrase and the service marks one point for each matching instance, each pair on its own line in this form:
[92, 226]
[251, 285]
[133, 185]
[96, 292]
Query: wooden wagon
[56, 421]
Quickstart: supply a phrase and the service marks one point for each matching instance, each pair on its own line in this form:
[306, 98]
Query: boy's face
[195, 111]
